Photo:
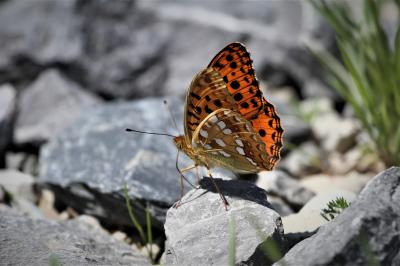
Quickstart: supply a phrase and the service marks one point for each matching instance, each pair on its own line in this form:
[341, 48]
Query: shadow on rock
[237, 189]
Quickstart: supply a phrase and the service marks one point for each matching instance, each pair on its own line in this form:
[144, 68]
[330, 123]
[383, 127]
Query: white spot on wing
[248, 128]
[213, 119]
[227, 131]
[225, 153]
[207, 146]
[203, 133]
[240, 151]
[239, 142]
[220, 142]
[221, 124]
[251, 161]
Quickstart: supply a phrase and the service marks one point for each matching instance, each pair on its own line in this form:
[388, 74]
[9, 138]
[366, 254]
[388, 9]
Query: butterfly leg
[181, 171]
[226, 204]
[178, 203]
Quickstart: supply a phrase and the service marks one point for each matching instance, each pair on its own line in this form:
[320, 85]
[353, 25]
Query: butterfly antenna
[170, 113]
[151, 133]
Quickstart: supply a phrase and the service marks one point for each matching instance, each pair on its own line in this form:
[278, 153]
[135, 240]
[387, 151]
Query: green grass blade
[149, 231]
[370, 77]
[132, 215]
[53, 260]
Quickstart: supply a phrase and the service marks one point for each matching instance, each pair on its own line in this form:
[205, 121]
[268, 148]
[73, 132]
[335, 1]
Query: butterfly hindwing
[228, 138]
[267, 125]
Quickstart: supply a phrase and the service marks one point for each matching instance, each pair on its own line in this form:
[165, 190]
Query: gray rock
[280, 206]
[42, 31]
[335, 133]
[367, 232]
[309, 218]
[124, 49]
[48, 106]
[281, 184]
[22, 161]
[17, 183]
[141, 48]
[296, 130]
[198, 230]
[25, 241]
[97, 152]
[303, 161]
[279, 28]
[7, 115]
[321, 183]
[20, 188]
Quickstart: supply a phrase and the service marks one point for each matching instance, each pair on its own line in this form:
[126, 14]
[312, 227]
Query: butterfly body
[228, 123]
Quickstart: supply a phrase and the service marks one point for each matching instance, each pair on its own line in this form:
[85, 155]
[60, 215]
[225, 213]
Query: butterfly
[227, 121]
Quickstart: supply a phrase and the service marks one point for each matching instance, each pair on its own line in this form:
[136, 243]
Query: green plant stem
[149, 240]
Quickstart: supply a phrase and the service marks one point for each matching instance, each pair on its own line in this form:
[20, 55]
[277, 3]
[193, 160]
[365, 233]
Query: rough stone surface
[286, 187]
[48, 106]
[309, 217]
[272, 26]
[97, 151]
[125, 49]
[25, 241]
[43, 31]
[335, 133]
[198, 230]
[367, 232]
[17, 183]
[140, 48]
[22, 161]
[296, 130]
[7, 113]
[19, 187]
[322, 183]
[280, 206]
[306, 159]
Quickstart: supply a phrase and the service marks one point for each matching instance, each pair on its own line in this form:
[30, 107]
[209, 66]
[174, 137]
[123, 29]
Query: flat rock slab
[25, 241]
[366, 233]
[91, 162]
[198, 230]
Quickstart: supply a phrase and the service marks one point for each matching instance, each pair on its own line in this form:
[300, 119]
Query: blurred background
[75, 73]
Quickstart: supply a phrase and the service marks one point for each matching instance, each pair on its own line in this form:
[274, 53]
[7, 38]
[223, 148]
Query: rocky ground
[74, 74]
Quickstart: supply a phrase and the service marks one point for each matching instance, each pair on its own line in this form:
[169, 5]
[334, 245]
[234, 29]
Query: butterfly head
[180, 142]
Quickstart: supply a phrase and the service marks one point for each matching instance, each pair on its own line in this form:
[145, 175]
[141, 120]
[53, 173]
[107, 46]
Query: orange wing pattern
[206, 94]
[234, 65]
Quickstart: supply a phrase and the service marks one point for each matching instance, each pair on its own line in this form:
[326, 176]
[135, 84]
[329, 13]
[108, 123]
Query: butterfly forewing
[206, 94]
[234, 65]
[230, 141]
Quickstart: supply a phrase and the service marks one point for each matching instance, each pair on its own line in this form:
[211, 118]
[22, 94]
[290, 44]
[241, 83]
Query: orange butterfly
[228, 123]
